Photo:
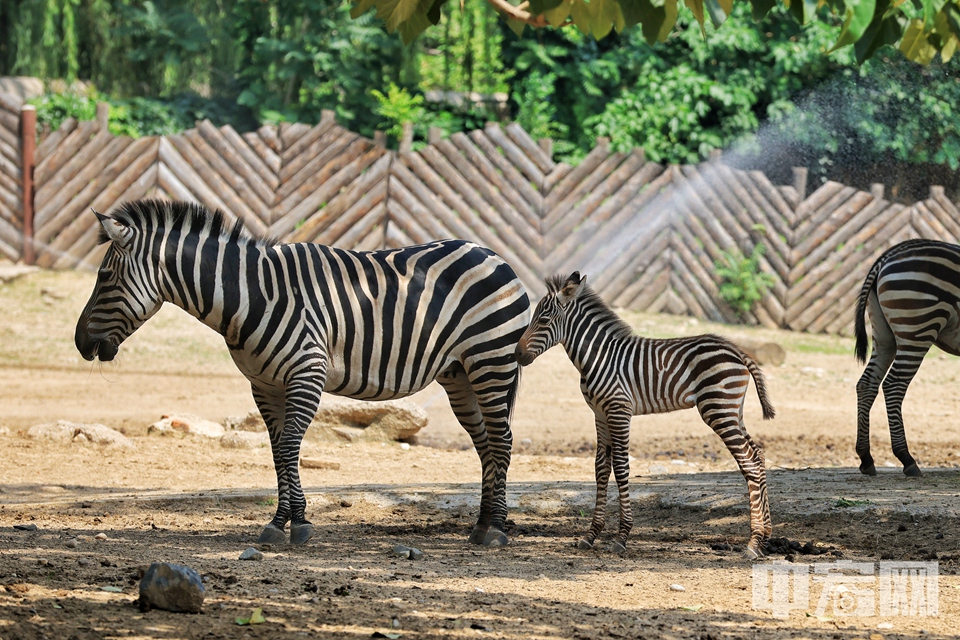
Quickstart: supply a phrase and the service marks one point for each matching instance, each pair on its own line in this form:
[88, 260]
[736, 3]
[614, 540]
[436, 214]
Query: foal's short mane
[590, 300]
[168, 214]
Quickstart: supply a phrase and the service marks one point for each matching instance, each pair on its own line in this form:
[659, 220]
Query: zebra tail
[768, 411]
[512, 396]
[860, 322]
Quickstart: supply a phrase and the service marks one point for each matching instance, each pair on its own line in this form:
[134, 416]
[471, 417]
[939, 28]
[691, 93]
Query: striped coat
[301, 319]
[623, 375]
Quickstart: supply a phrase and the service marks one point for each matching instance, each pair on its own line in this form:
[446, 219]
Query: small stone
[677, 461]
[84, 562]
[405, 446]
[251, 554]
[245, 440]
[171, 587]
[526, 442]
[101, 536]
[71, 543]
[677, 587]
[416, 554]
[657, 468]
[183, 424]
[31, 527]
[317, 463]
[885, 625]
[939, 536]
[401, 551]
[346, 504]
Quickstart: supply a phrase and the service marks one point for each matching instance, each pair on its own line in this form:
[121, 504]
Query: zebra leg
[727, 425]
[884, 350]
[466, 406]
[620, 435]
[602, 468]
[271, 408]
[905, 366]
[303, 399]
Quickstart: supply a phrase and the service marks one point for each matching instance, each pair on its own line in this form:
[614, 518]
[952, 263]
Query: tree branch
[519, 12]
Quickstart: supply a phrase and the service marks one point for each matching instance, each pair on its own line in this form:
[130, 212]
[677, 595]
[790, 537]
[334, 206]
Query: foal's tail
[768, 411]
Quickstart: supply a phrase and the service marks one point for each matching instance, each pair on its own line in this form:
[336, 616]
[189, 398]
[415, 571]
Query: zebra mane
[590, 300]
[169, 214]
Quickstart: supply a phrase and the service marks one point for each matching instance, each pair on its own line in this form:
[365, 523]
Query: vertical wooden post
[876, 190]
[715, 155]
[103, 115]
[406, 142]
[28, 144]
[800, 183]
[434, 135]
[937, 192]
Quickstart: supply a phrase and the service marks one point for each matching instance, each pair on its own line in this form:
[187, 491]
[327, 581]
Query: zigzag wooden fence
[11, 178]
[647, 236]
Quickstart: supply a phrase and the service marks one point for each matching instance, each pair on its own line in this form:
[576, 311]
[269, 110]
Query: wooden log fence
[647, 236]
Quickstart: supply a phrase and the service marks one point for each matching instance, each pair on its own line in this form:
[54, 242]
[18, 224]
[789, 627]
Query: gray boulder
[171, 587]
[67, 432]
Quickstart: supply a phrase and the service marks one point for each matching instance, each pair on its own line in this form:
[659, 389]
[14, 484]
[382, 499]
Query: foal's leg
[602, 468]
[723, 418]
[884, 350]
[620, 436]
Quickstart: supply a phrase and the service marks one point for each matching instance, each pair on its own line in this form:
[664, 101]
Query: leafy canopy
[921, 28]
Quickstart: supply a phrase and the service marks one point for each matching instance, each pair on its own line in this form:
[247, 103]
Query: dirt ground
[189, 501]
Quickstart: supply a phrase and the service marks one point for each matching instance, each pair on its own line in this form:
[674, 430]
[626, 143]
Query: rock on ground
[353, 420]
[171, 587]
[253, 421]
[66, 432]
[245, 440]
[185, 424]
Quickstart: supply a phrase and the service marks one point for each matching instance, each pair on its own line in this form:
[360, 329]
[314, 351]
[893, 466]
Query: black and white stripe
[301, 319]
[623, 375]
[912, 294]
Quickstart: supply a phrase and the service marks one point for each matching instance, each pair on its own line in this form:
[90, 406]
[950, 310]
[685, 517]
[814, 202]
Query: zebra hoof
[752, 554]
[272, 534]
[495, 538]
[584, 544]
[478, 535]
[868, 470]
[300, 533]
[913, 471]
[617, 548]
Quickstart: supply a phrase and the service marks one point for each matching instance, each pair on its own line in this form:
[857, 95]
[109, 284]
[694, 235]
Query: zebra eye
[106, 274]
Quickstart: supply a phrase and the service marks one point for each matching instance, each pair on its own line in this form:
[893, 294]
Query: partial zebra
[623, 375]
[912, 293]
[300, 319]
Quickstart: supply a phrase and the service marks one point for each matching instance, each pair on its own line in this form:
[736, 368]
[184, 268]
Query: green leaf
[111, 589]
[604, 17]
[582, 14]
[692, 607]
[558, 15]
[696, 6]
[433, 14]
[517, 26]
[361, 8]
[631, 11]
[761, 8]
[915, 45]
[538, 7]
[859, 15]
[948, 49]
[882, 30]
[256, 617]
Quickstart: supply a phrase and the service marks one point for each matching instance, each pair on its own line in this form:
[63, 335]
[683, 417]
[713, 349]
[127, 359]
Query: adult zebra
[300, 319]
[912, 293]
[623, 375]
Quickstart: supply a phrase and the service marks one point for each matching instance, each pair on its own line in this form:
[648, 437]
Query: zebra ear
[572, 287]
[115, 231]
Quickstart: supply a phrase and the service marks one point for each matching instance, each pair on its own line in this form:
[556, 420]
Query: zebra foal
[302, 319]
[623, 375]
[912, 294]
